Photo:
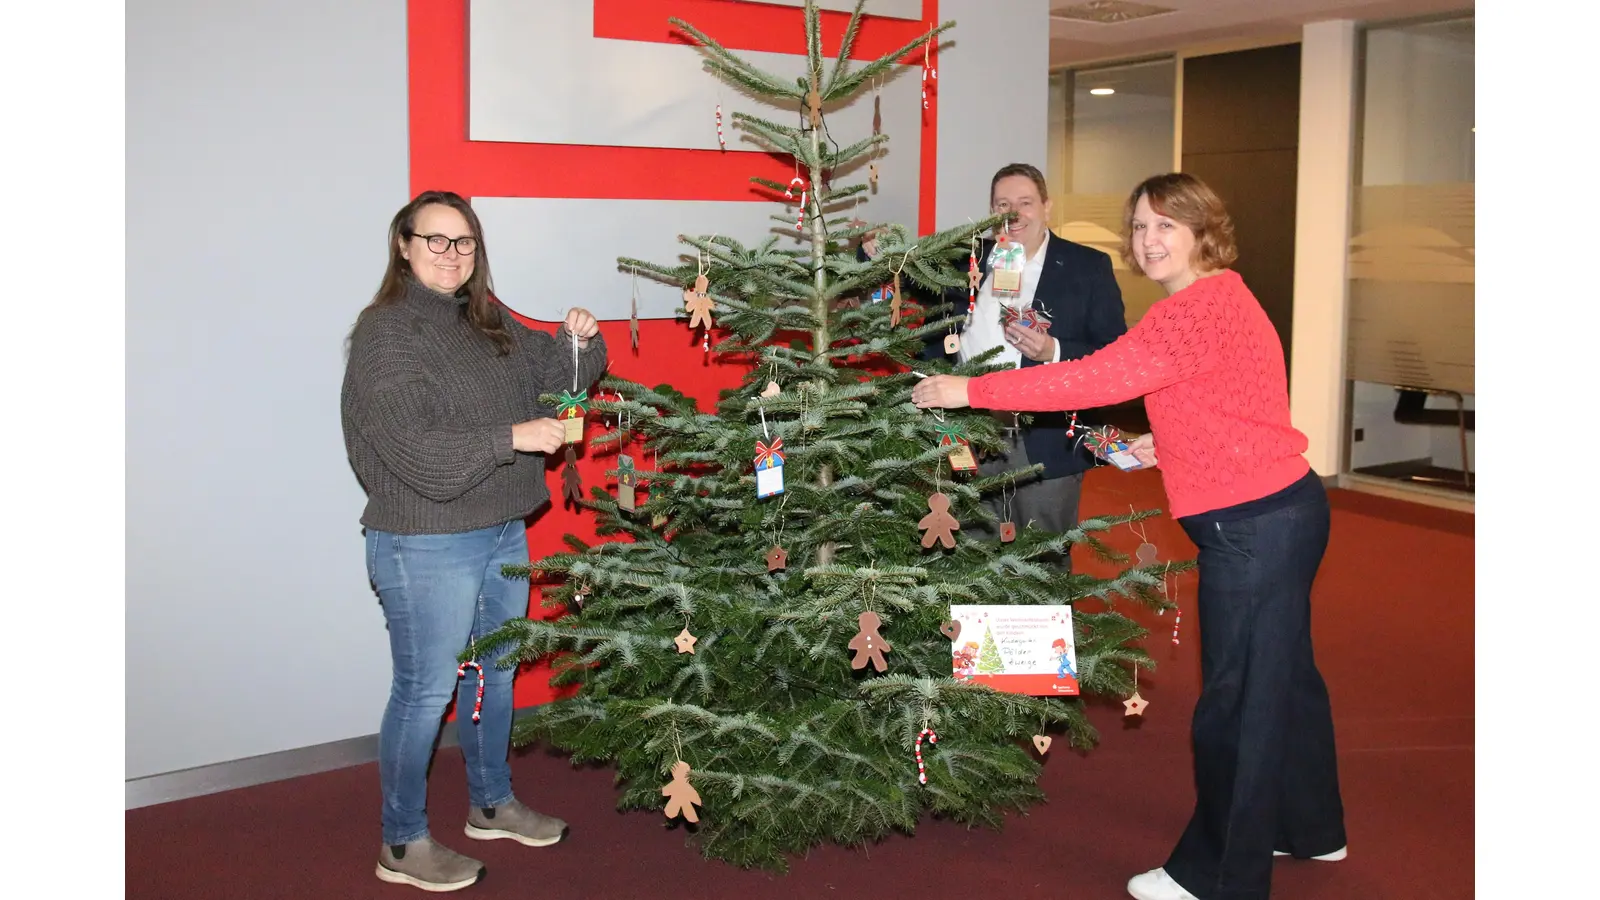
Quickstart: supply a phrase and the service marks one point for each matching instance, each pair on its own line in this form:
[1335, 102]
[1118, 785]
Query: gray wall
[266, 150]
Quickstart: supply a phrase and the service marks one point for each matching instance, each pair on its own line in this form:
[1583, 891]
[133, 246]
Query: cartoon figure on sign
[966, 661]
[1063, 658]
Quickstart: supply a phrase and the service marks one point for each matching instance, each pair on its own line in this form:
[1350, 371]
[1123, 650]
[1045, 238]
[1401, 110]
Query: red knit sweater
[1210, 366]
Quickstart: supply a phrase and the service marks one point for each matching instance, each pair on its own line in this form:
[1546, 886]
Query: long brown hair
[482, 309]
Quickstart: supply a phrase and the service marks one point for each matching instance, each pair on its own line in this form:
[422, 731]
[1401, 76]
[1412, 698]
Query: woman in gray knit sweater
[444, 427]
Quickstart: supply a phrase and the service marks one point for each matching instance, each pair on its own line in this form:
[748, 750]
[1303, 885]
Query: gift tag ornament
[869, 646]
[681, 796]
[1041, 743]
[950, 629]
[951, 435]
[939, 525]
[570, 409]
[1134, 706]
[769, 468]
[952, 343]
[685, 641]
[1008, 532]
[1005, 267]
[698, 303]
[627, 480]
[571, 486]
[777, 558]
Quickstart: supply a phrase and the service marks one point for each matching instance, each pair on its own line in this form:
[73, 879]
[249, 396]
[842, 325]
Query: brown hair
[1184, 198]
[482, 309]
[1025, 170]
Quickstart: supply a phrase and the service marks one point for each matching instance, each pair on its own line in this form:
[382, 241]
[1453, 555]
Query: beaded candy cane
[922, 771]
[461, 670]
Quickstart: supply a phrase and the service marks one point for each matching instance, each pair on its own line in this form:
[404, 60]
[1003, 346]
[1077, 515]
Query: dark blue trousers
[1266, 776]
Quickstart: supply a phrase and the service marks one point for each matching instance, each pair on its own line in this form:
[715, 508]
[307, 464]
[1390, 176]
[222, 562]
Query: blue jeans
[1266, 776]
[439, 591]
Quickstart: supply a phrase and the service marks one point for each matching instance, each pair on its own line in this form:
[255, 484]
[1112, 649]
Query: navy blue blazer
[1078, 292]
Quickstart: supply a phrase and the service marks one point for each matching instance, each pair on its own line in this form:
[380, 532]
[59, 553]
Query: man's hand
[941, 392]
[1035, 345]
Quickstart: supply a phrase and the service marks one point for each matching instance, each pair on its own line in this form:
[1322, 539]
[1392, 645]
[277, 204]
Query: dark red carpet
[1394, 631]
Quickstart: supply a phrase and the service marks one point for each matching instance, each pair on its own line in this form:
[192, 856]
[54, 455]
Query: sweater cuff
[504, 453]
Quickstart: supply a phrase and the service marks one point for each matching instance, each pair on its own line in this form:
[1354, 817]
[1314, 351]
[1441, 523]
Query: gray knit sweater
[428, 409]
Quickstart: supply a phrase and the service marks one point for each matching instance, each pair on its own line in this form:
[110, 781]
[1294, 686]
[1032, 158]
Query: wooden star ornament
[685, 641]
[1134, 706]
[777, 558]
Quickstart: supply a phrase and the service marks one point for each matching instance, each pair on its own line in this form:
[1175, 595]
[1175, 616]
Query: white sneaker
[1156, 884]
[1335, 856]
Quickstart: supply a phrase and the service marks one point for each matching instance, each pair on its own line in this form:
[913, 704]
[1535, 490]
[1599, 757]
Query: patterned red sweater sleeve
[1210, 366]
[1172, 343]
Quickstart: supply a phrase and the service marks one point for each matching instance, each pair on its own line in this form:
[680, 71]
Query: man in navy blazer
[1074, 287]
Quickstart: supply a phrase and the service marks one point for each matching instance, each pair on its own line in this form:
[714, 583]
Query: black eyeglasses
[438, 243]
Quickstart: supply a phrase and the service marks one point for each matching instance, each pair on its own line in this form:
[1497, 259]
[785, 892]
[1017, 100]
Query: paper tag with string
[952, 435]
[572, 405]
[1006, 263]
[769, 461]
[627, 477]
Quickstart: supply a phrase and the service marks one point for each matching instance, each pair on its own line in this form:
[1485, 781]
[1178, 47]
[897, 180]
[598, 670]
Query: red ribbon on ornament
[768, 456]
[1027, 318]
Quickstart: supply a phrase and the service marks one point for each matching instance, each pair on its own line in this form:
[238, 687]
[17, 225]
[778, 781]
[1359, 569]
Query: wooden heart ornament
[951, 629]
[1041, 743]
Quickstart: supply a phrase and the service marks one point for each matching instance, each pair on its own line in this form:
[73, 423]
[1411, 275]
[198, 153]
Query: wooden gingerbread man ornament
[681, 795]
[697, 303]
[939, 525]
[869, 646]
[571, 486]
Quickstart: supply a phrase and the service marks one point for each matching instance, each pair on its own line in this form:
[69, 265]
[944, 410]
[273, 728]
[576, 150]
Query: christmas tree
[989, 662]
[771, 649]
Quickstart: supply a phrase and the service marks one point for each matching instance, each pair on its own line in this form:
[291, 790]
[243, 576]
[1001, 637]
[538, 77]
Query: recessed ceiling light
[1101, 92]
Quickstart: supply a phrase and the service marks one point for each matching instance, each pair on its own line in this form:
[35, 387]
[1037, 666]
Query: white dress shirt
[984, 331]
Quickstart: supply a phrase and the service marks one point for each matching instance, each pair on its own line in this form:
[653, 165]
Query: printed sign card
[1016, 649]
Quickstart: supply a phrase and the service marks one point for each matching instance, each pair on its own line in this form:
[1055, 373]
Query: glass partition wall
[1111, 127]
[1409, 358]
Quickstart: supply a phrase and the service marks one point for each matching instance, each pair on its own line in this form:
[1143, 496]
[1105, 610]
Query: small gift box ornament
[1029, 318]
[1005, 267]
[769, 468]
[570, 409]
[1107, 444]
[961, 458]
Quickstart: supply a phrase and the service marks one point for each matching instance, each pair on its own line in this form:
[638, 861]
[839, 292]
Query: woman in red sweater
[1210, 367]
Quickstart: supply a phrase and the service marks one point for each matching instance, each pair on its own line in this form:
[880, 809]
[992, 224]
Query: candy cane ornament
[461, 671]
[720, 139]
[797, 181]
[922, 771]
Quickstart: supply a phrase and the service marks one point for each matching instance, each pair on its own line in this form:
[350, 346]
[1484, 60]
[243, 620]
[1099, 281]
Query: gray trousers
[1049, 504]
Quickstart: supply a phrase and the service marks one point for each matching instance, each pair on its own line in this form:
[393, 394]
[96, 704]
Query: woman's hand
[539, 435]
[1144, 450]
[941, 392]
[582, 325]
